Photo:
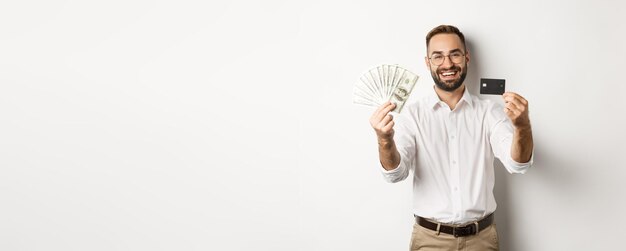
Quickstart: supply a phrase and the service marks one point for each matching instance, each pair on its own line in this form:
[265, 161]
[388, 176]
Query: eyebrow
[441, 52]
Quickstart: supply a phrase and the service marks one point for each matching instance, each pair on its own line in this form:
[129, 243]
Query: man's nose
[447, 62]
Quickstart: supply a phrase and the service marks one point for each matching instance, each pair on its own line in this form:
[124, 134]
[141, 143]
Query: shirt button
[454, 162]
[452, 136]
[456, 189]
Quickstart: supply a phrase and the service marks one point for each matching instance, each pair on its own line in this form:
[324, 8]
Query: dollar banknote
[385, 83]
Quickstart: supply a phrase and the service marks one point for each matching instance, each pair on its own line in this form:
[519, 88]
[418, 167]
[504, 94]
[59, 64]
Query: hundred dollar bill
[403, 90]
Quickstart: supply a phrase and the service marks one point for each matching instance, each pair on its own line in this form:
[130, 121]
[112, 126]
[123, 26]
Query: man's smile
[449, 74]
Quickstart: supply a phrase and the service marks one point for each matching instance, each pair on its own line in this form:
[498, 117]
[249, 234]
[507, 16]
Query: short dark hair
[445, 29]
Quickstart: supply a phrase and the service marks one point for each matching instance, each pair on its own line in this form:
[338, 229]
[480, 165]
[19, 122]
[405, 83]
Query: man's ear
[467, 56]
[426, 62]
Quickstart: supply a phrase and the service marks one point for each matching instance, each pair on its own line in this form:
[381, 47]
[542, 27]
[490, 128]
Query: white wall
[198, 125]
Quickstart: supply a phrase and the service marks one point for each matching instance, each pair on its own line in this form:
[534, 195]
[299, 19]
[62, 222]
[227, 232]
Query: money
[384, 83]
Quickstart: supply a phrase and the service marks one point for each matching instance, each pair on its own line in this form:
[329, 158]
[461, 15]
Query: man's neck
[450, 98]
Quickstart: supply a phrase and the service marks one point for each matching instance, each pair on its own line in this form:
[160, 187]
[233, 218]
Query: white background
[201, 125]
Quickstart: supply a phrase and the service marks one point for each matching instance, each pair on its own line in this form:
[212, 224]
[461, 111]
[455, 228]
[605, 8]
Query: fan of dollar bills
[384, 83]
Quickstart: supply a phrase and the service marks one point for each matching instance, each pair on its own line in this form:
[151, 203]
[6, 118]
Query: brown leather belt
[458, 231]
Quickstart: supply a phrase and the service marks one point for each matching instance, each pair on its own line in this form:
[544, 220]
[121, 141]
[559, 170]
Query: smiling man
[448, 141]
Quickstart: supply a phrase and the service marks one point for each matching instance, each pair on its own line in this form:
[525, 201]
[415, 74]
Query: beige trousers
[424, 239]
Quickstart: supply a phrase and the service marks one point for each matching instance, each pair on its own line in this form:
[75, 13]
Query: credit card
[491, 86]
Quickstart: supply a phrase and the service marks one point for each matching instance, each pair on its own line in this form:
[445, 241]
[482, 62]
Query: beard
[450, 85]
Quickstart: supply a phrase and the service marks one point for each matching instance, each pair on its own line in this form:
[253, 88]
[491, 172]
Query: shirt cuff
[392, 171]
[395, 175]
[517, 167]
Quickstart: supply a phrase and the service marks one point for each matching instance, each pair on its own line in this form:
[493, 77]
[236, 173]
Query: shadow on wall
[546, 162]
[545, 170]
[473, 70]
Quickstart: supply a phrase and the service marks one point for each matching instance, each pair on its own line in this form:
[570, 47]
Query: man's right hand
[382, 122]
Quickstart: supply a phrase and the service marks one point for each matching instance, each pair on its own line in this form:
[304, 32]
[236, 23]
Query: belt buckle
[466, 230]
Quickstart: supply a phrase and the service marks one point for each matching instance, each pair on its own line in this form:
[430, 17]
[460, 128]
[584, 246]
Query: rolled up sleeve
[405, 143]
[501, 141]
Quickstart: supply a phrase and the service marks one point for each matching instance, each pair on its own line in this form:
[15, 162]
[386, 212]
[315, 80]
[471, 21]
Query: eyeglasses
[455, 57]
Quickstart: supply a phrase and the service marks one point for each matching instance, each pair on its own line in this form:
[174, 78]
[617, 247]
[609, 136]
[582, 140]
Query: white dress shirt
[450, 154]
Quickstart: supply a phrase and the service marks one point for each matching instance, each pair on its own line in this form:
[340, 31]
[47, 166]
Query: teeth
[448, 73]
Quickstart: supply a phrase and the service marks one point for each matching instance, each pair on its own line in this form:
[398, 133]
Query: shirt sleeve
[404, 138]
[501, 140]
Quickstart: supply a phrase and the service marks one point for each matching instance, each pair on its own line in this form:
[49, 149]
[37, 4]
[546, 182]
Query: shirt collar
[433, 99]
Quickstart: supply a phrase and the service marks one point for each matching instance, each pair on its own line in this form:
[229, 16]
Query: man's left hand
[516, 108]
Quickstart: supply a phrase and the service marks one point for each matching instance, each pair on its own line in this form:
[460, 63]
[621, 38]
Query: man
[448, 140]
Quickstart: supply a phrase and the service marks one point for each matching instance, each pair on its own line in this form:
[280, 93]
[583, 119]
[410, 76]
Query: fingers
[511, 110]
[382, 111]
[515, 98]
[382, 121]
[389, 126]
[516, 108]
[515, 103]
[509, 113]
[387, 107]
[386, 120]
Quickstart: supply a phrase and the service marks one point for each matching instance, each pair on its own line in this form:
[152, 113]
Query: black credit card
[491, 86]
